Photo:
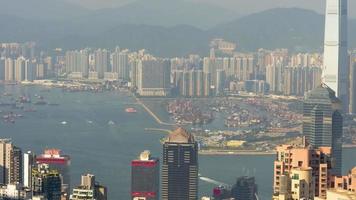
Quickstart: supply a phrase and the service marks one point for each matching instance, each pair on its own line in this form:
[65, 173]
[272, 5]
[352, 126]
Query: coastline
[150, 112]
[236, 152]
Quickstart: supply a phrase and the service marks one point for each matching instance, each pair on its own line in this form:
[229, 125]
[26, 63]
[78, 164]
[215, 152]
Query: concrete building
[77, 62]
[347, 182]
[340, 195]
[89, 189]
[10, 163]
[154, 78]
[102, 62]
[323, 122]
[2, 69]
[28, 165]
[300, 159]
[302, 183]
[145, 177]
[14, 191]
[9, 69]
[336, 67]
[120, 64]
[180, 167]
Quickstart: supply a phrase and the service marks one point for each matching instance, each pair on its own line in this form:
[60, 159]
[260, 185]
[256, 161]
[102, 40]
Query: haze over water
[106, 150]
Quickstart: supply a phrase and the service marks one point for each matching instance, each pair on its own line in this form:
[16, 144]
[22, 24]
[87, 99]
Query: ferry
[130, 110]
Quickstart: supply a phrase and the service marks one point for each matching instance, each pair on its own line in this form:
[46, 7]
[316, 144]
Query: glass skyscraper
[180, 167]
[323, 121]
[336, 67]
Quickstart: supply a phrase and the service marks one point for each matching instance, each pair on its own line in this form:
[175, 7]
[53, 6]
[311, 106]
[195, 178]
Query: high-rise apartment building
[180, 167]
[102, 62]
[336, 67]
[323, 122]
[120, 64]
[154, 77]
[10, 163]
[2, 68]
[77, 63]
[9, 69]
[145, 177]
[20, 69]
[306, 162]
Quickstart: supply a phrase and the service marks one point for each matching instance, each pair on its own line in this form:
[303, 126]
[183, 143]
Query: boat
[40, 103]
[64, 123]
[111, 123]
[130, 110]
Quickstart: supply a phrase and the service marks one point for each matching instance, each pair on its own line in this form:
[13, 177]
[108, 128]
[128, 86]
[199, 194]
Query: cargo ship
[130, 110]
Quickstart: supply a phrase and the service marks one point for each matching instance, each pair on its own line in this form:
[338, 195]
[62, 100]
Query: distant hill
[43, 10]
[166, 13]
[292, 28]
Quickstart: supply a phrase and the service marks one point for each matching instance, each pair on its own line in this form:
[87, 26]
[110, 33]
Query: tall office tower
[2, 68]
[20, 69]
[336, 67]
[145, 177]
[9, 69]
[89, 189]
[323, 122]
[180, 167]
[353, 83]
[10, 163]
[300, 159]
[154, 77]
[56, 161]
[28, 165]
[102, 61]
[121, 64]
[244, 188]
[46, 182]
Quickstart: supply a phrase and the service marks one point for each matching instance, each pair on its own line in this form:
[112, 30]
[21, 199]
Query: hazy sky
[241, 6]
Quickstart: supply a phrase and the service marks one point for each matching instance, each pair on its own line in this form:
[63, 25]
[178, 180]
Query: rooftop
[180, 135]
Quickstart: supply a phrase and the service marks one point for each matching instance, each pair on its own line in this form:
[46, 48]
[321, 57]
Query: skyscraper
[336, 70]
[121, 65]
[145, 177]
[46, 182]
[244, 188]
[56, 161]
[353, 83]
[322, 122]
[154, 77]
[180, 166]
[10, 163]
[28, 164]
[2, 68]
